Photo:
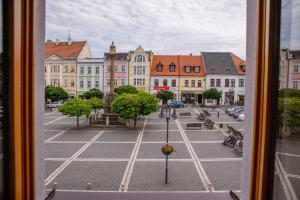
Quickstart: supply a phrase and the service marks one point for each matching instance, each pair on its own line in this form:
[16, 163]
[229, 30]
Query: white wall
[169, 78]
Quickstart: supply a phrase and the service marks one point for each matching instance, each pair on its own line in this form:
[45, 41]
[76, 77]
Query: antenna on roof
[69, 37]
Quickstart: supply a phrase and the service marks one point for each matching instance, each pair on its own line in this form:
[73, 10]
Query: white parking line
[112, 142]
[67, 142]
[55, 120]
[288, 154]
[207, 142]
[162, 142]
[54, 174]
[51, 112]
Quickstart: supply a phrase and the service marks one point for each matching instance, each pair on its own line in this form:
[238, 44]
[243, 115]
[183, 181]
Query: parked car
[241, 117]
[176, 104]
[236, 113]
[232, 110]
[53, 104]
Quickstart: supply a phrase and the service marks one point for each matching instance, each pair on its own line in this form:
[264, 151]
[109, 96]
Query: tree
[126, 89]
[92, 93]
[75, 108]
[212, 93]
[127, 106]
[96, 103]
[165, 95]
[288, 92]
[55, 93]
[148, 103]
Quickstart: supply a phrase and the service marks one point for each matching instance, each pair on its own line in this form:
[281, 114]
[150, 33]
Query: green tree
[212, 93]
[92, 93]
[289, 113]
[148, 103]
[288, 92]
[165, 95]
[96, 103]
[126, 89]
[75, 108]
[55, 93]
[127, 106]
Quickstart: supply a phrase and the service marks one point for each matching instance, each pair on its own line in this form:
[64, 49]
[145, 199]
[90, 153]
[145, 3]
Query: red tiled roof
[238, 62]
[193, 61]
[64, 50]
[165, 60]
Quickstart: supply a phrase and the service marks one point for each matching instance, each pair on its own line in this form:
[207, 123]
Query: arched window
[139, 58]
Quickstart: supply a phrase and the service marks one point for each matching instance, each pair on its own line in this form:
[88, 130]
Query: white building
[89, 74]
[226, 73]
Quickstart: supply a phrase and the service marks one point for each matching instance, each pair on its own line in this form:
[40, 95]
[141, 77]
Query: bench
[201, 116]
[235, 139]
[185, 114]
[193, 125]
[209, 123]
[206, 112]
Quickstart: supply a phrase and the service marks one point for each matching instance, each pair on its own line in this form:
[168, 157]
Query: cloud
[163, 26]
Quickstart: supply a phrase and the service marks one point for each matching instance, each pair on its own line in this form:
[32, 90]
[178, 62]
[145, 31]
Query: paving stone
[104, 176]
[287, 146]
[120, 136]
[54, 114]
[76, 136]
[55, 126]
[296, 185]
[278, 192]
[49, 134]
[46, 120]
[224, 175]
[212, 150]
[203, 135]
[150, 176]
[51, 166]
[71, 119]
[53, 150]
[150, 136]
[153, 151]
[290, 164]
[172, 126]
[108, 150]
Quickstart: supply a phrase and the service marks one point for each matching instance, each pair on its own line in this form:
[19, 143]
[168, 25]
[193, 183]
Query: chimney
[191, 54]
[57, 42]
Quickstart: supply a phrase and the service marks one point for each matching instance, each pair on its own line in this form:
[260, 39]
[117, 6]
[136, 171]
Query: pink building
[120, 68]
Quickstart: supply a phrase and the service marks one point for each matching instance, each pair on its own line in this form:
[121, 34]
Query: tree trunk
[77, 121]
[135, 122]
[95, 110]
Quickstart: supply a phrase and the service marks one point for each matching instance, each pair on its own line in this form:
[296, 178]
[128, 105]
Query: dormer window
[187, 69]
[228, 69]
[243, 68]
[172, 67]
[197, 69]
[159, 67]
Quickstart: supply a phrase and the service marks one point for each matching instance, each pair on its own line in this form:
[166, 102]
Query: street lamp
[168, 114]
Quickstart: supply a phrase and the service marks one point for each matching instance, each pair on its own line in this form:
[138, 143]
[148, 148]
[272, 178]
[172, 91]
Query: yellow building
[61, 63]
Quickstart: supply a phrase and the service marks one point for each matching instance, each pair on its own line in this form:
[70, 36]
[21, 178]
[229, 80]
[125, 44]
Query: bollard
[89, 186]
[54, 185]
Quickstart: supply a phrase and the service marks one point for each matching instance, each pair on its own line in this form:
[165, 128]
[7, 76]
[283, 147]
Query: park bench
[209, 123]
[235, 139]
[206, 113]
[185, 114]
[193, 125]
[201, 116]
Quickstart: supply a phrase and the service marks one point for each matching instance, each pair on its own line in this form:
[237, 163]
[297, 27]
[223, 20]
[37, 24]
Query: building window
[122, 81]
[187, 69]
[72, 82]
[89, 84]
[81, 70]
[165, 82]
[116, 68]
[218, 82]
[172, 67]
[174, 83]
[96, 84]
[72, 69]
[139, 82]
[212, 82]
[156, 82]
[89, 70]
[186, 83]
[241, 82]
[295, 84]
[199, 83]
[296, 68]
[197, 69]
[107, 82]
[193, 83]
[108, 69]
[232, 82]
[45, 68]
[81, 84]
[97, 70]
[65, 83]
[123, 68]
[116, 82]
[139, 58]
[226, 82]
[139, 70]
[159, 67]
[66, 68]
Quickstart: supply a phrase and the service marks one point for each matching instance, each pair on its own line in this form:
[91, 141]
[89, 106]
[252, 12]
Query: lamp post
[168, 113]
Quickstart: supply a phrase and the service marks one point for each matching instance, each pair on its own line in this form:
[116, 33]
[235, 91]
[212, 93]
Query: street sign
[161, 88]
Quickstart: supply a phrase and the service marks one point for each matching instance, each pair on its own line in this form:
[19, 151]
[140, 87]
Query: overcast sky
[163, 26]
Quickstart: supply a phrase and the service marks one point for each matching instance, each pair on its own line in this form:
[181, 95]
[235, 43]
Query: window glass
[199, 83]
[156, 82]
[212, 82]
[97, 70]
[226, 82]
[192, 83]
[218, 82]
[174, 83]
[186, 83]
[165, 82]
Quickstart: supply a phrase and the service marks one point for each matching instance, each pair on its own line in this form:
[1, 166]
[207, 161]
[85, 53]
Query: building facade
[289, 75]
[225, 72]
[120, 70]
[89, 74]
[192, 79]
[139, 66]
[61, 63]
[165, 74]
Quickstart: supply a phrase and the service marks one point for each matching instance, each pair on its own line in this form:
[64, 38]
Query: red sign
[161, 88]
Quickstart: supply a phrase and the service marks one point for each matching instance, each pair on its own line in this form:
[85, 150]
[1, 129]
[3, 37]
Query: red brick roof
[64, 50]
[238, 62]
[192, 61]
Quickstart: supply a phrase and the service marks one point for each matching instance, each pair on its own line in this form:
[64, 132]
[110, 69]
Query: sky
[163, 26]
